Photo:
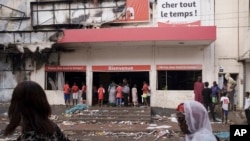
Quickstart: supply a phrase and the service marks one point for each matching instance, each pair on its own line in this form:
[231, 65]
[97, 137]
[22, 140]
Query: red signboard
[65, 68]
[179, 67]
[124, 68]
[136, 11]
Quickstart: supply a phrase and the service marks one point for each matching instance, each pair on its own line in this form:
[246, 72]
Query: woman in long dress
[112, 93]
[134, 95]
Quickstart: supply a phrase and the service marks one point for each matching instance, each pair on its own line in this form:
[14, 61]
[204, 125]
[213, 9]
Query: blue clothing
[215, 90]
[118, 101]
[77, 107]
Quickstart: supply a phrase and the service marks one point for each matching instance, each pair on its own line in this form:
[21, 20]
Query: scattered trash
[5, 114]
[158, 127]
[54, 117]
[173, 119]
[78, 107]
[161, 134]
[68, 123]
[222, 135]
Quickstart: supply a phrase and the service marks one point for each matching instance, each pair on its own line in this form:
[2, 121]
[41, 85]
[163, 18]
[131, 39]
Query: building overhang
[203, 35]
[245, 57]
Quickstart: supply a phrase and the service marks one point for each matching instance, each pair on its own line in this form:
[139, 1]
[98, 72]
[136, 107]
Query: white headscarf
[198, 122]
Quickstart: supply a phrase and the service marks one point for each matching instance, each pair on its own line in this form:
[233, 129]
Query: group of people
[192, 115]
[194, 121]
[118, 93]
[74, 90]
[30, 109]
[212, 96]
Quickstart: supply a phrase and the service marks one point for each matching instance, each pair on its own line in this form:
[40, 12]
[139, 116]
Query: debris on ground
[78, 107]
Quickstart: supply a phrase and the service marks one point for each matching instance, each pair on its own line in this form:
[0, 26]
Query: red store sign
[123, 68]
[65, 68]
[179, 67]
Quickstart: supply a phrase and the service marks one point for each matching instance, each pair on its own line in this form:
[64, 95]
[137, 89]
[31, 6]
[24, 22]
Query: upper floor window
[75, 14]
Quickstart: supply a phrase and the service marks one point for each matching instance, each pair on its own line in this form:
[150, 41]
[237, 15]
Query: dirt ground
[161, 128]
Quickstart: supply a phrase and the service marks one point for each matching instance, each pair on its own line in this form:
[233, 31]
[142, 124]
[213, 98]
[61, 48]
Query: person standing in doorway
[207, 99]
[145, 91]
[125, 93]
[94, 95]
[119, 95]
[75, 91]
[198, 87]
[231, 84]
[84, 90]
[101, 92]
[247, 107]
[112, 93]
[135, 95]
[66, 91]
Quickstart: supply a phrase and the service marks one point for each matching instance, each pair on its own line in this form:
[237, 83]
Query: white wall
[170, 99]
[247, 80]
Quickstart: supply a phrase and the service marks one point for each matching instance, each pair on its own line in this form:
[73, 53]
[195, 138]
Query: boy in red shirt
[66, 94]
[101, 92]
[119, 95]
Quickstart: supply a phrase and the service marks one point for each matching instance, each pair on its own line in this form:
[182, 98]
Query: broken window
[177, 79]
[55, 80]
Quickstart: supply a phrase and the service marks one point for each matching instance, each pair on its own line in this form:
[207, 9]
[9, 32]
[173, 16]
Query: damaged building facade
[167, 43]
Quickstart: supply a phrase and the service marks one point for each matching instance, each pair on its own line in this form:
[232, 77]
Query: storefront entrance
[105, 78]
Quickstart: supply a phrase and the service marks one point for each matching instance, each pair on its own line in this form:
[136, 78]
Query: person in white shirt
[134, 95]
[247, 107]
[224, 105]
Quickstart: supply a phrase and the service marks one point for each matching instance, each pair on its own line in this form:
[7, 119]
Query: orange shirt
[145, 88]
[119, 92]
[66, 88]
[101, 92]
[75, 88]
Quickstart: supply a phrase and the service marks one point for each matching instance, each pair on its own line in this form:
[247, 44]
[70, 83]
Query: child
[224, 105]
[119, 95]
[101, 92]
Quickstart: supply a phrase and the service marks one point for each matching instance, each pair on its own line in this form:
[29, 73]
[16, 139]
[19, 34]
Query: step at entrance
[110, 114]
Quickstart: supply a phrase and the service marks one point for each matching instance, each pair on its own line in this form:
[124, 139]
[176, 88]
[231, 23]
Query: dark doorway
[77, 77]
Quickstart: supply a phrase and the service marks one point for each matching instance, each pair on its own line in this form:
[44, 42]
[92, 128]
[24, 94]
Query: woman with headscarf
[194, 121]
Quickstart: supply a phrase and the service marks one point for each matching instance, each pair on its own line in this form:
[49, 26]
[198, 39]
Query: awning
[203, 35]
[245, 56]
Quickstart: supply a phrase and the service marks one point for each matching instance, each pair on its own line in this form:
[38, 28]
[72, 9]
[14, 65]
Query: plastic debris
[78, 107]
[222, 135]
